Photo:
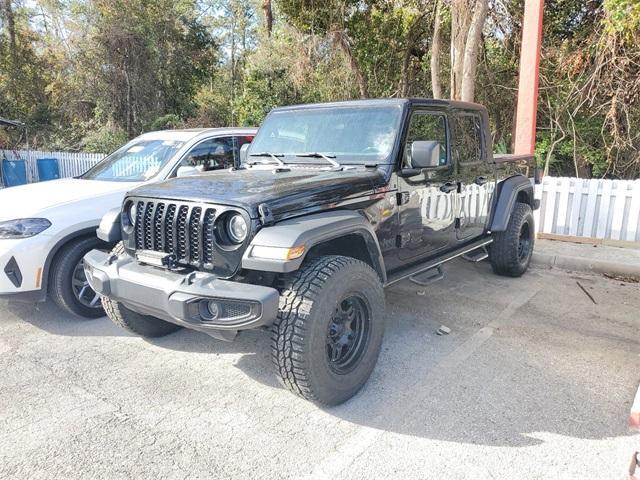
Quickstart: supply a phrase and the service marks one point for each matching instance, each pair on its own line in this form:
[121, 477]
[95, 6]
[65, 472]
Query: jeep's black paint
[300, 190]
[508, 191]
[416, 216]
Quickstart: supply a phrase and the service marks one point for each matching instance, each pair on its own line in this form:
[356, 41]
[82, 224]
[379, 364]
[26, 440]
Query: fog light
[209, 310]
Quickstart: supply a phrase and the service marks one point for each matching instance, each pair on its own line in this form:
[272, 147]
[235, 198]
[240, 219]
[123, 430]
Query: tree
[468, 19]
[268, 16]
[436, 47]
[143, 59]
[328, 17]
[23, 73]
[467, 89]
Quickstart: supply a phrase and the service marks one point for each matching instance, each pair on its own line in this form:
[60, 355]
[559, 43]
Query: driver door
[426, 202]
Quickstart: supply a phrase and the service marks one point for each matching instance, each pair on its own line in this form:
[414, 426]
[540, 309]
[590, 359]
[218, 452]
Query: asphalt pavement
[535, 380]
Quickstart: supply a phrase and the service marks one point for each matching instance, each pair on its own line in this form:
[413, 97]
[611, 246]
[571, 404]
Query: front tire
[327, 337]
[510, 252]
[68, 285]
[134, 322]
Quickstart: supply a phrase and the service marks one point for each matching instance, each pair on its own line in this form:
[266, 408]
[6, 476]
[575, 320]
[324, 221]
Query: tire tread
[504, 249]
[302, 288]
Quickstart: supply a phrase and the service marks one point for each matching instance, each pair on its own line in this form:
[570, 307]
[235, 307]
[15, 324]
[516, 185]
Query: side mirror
[244, 149]
[425, 154]
[187, 171]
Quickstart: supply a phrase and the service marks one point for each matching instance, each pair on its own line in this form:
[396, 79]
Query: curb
[634, 416]
[586, 265]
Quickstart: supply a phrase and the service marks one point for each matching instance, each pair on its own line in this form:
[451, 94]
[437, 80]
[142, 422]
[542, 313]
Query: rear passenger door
[475, 176]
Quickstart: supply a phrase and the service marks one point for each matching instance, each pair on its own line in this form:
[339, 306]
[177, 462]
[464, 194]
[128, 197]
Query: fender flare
[109, 230]
[312, 230]
[506, 196]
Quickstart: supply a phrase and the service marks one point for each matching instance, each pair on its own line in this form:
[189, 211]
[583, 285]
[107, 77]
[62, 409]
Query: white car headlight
[237, 228]
[23, 227]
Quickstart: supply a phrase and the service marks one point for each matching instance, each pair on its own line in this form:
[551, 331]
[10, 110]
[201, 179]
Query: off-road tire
[143, 325]
[60, 287]
[504, 253]
[309, 301]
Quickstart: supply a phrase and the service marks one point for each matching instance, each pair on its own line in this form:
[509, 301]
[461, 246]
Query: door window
[468, 141]
[212, 154]
[426, 127]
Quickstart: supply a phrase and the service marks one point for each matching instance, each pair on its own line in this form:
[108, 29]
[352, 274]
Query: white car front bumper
[22, 265]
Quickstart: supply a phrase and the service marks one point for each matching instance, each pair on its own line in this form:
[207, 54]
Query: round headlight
[237, 228]
[132, 213]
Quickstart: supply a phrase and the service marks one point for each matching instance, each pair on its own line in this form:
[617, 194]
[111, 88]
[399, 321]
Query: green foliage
[623, 16]
[23, 73]
[90, 74]
[105, 139]
[168, 121]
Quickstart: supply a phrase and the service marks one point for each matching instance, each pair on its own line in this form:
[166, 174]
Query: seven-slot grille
[184, 230]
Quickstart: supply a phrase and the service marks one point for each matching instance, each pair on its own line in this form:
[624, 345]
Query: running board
[477, 255]
[423, 282]
[416, 270]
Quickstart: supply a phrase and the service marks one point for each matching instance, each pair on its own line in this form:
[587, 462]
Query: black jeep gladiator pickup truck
[332, 203]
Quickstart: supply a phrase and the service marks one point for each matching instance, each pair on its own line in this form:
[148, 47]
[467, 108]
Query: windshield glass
[352, 134]
[137, 161]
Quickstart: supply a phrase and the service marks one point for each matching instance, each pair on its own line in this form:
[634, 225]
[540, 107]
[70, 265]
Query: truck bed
[513, 157]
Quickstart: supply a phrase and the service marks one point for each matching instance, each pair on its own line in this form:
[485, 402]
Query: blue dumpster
[48, 169]
[14, 172]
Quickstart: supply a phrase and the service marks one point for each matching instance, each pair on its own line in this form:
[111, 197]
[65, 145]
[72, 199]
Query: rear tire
[134, 322]
[68, 287]
[327, 337]
[510, 252]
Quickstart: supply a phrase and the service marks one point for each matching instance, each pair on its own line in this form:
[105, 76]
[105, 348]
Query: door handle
[448, 187]
[481, 180]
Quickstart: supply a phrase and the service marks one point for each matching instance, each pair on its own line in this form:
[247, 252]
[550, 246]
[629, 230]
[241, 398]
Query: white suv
[46, 228]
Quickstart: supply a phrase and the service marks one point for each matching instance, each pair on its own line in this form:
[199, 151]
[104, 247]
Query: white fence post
[594, 208]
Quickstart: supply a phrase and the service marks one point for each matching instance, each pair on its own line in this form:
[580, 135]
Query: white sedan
[46, 228]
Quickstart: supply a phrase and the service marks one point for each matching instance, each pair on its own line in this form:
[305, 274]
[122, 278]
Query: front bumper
[181, 298]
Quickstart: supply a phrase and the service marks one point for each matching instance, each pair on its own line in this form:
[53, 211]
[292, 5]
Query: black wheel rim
[81, 288]
[524, 242]
[348, 334]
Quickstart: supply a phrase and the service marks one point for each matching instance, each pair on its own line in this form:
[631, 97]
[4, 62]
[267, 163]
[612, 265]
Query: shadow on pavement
[48, 317]
[556, 367]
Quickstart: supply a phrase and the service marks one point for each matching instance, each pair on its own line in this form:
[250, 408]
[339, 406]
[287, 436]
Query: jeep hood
[283, 192]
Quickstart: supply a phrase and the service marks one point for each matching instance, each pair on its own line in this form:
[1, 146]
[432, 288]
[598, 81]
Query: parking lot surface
[535, 380]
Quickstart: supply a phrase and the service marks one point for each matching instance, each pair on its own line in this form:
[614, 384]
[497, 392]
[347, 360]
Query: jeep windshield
[350, 135]
[137, 161]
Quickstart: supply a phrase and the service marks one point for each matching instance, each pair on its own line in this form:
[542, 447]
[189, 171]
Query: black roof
[5, 122]
[428, 102]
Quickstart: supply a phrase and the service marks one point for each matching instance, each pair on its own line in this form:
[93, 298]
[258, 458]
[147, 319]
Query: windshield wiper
[328, 158]
[275, 156]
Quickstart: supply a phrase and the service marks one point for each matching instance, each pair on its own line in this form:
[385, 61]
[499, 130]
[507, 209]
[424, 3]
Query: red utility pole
[525, 140]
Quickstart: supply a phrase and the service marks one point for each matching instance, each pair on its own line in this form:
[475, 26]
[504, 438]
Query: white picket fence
[593, 208]
[71, 164]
